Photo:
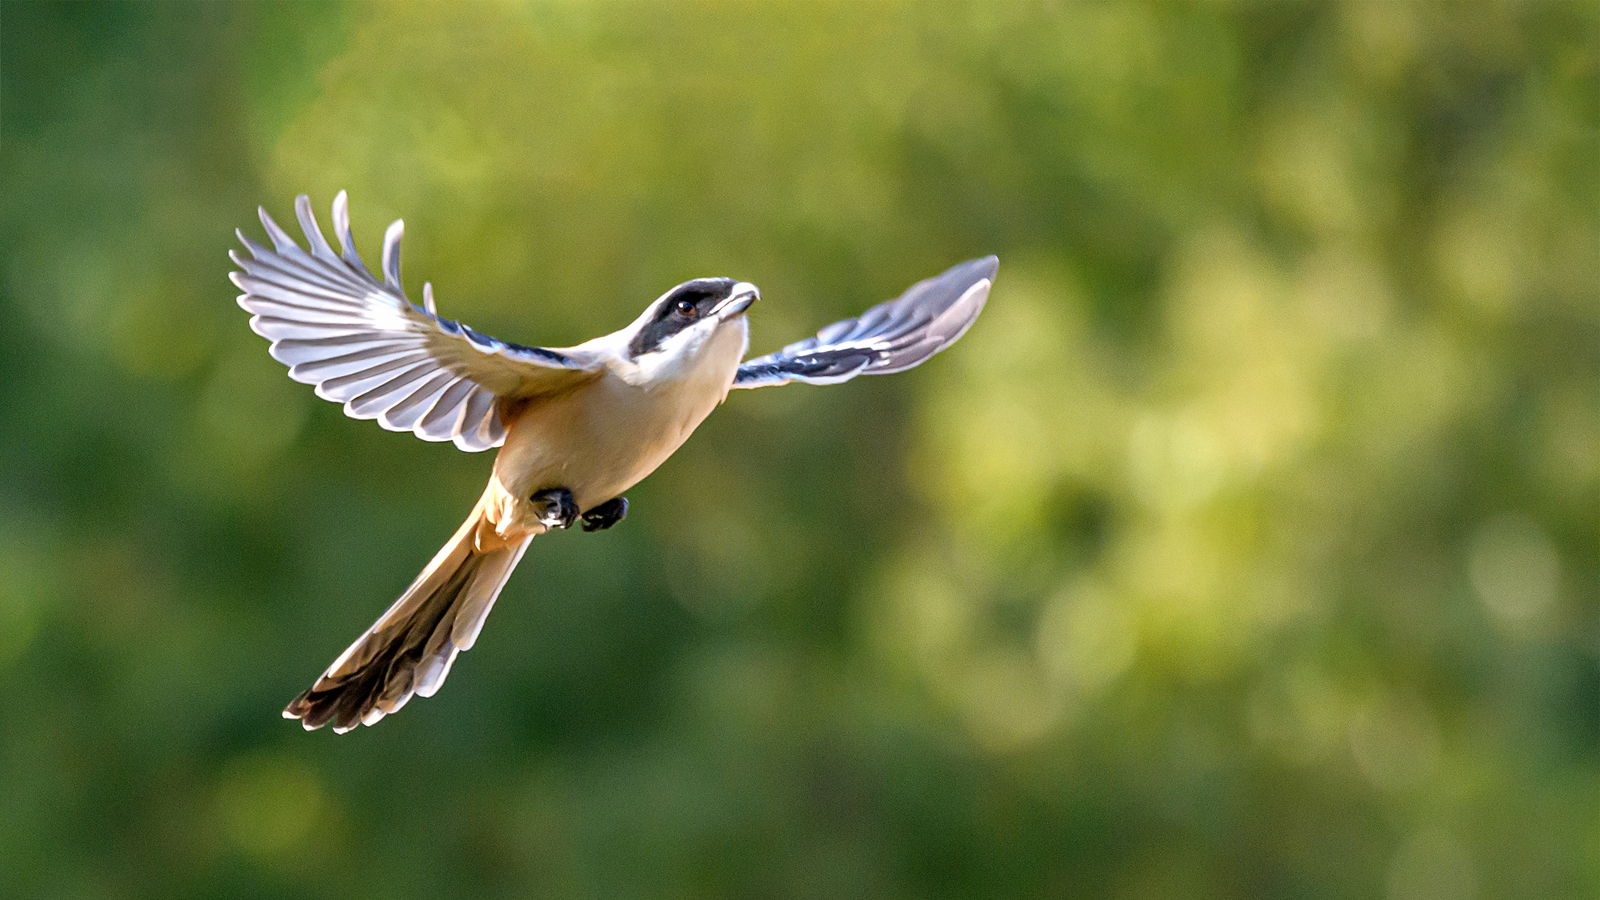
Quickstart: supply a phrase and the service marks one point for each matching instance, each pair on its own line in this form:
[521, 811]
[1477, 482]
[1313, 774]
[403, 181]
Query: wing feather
[362, 343]
[345, 388]
[406, 413]
[890, 337]
[477, 408]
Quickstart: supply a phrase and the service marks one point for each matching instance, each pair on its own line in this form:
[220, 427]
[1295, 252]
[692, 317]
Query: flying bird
[576, 426]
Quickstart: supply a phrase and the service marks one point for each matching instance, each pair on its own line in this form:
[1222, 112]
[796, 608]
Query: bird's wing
[363, 344]
[890, 337]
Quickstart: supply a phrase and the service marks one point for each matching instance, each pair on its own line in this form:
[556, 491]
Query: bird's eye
[686, 308]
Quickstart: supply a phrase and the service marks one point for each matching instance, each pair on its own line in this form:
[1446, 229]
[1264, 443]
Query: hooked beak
[739, 300]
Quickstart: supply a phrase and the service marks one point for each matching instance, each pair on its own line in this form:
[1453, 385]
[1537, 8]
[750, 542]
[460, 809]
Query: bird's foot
[606, 514]
[556, 508]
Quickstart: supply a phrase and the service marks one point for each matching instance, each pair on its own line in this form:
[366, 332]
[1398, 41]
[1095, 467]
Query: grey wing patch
[890, 337]
[362, 343]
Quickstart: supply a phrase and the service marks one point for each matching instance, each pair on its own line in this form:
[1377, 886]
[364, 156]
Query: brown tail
[410, 648]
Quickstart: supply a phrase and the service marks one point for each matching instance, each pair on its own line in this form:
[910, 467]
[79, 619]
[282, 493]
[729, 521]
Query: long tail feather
[411, 647]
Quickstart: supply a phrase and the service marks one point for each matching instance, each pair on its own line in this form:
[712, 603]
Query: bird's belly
[596, 442]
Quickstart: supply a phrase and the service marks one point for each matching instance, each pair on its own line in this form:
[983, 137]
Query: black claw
[559, 509]
[606, 514]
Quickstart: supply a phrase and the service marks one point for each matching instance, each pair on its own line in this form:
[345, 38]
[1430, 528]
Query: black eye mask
[704, 293]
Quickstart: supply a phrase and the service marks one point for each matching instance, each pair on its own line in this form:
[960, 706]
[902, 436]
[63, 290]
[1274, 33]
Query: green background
[1248, 546]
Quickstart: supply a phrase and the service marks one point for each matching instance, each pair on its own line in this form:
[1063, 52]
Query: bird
[576, 427]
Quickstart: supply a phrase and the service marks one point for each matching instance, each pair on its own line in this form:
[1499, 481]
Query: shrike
[577, 426]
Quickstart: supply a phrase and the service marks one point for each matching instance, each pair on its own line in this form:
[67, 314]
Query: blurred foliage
[1248, 546]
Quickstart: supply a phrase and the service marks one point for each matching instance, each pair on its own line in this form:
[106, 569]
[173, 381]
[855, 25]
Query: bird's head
[685, 322]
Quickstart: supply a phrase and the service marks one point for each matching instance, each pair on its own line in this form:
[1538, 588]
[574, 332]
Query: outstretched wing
[363, 344]
[890, 337]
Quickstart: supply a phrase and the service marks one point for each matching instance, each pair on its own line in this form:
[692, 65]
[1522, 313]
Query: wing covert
[891, 337]
[362, 343]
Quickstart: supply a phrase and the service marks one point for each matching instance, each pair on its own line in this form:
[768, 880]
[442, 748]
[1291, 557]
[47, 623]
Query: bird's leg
[556, 508]
[606, 514]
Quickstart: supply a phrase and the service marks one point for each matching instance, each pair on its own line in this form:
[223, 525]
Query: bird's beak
[739, 300]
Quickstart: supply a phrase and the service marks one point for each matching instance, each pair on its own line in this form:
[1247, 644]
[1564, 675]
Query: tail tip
[306, 711]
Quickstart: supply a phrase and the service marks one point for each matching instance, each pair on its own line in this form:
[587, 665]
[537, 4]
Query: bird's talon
[557, 509]
[606, 514]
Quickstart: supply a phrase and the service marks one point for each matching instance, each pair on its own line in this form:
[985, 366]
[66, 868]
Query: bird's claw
[606, 514]
[556, 507]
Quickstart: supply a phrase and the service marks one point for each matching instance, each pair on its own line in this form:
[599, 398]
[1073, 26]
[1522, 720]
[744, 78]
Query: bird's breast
[604, 437]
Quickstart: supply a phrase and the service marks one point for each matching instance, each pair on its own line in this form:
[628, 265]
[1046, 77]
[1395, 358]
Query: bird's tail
[410, 648]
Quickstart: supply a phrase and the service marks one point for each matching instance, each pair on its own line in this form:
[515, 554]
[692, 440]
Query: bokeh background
[1248, 546]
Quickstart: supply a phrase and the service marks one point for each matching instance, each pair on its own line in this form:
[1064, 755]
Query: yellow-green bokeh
[1249, 544]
